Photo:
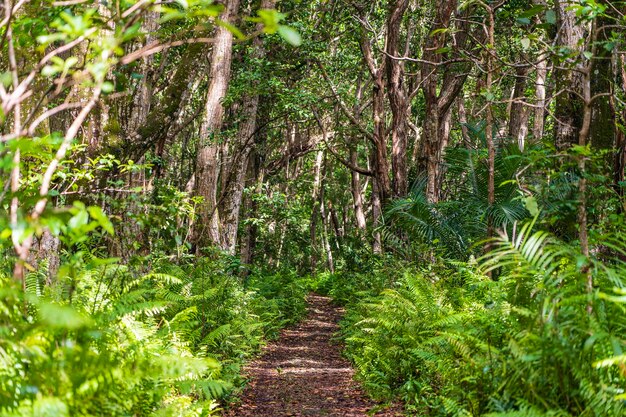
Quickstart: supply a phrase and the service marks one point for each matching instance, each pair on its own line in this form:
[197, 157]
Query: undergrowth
[105, 340]
[529, 341]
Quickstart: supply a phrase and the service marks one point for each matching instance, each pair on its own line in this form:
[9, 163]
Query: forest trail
[303, 373]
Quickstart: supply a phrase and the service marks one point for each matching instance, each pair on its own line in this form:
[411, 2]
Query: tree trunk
[377, 244]
[357, 195]
[327, 249]
[583, 138]
[619, 164]
[540, 96]
[463, 122]
[438, 101]
[207, 230]
[256, 176]
[398, 99]
[518, 123]
[569, 105]
[315, 213]
[602, 130]
[489, 127]
[235, 183]
[380, 163]
[141, 99]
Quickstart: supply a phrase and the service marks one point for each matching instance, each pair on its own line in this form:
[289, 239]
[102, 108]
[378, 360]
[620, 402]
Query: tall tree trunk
[380, 163]
[518, 123]
[256, 177]
[438, 101]
[207, 160]
[583, 139]
[381, 187]
[619, 164]
[431, 146]
[398, 99]
[602, 130]
[489, 127]
[326, 240]
[357, 195]
[325, 218]
[377, 244]
[569, 105]
[141, 99]
[315, 213]
[355, 176]
[235, 182]
[540, 96]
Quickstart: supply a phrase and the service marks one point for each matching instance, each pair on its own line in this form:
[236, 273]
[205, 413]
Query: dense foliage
[176, 176]
[450, 341]
[115, 342]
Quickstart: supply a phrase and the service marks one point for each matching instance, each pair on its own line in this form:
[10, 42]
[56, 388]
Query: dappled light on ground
[304, 374]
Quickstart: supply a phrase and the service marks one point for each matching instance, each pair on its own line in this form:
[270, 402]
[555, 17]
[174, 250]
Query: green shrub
[104, 340]
[456, 343]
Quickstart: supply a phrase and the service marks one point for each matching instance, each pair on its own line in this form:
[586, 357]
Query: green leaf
[62, 317]
[232, 28]
[270, 19]
[99, 216]
[49, 71]
[440, 30]
[6, 79]
[107, 87]
[290, 35]
[551, 17]
[531, 205]
[78, 220]
[525, 43]
[533, 11]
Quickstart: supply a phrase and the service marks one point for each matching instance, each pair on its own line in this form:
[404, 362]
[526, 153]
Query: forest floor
[303, 373]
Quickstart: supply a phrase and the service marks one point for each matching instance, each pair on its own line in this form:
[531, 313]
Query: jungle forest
[349, 208]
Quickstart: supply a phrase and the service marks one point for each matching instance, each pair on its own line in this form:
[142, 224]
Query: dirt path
[304, 374]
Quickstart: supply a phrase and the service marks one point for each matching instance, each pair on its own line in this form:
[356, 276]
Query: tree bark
[315, 213]
[141, 99]
[540, 97]
[569, 105]
[377, 244]
[583, 137]
[438, 101]
[235, 183]
[207, 230]
[602, 131]
[398, 99]
[518, 123]
[619, 164]
[357, 195]
[380, 162]
[489, 126]
[256, 176]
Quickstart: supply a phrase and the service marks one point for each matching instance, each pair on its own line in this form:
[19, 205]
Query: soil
[303, 373]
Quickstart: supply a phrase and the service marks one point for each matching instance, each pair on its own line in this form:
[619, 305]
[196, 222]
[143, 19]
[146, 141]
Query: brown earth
[303, 373]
